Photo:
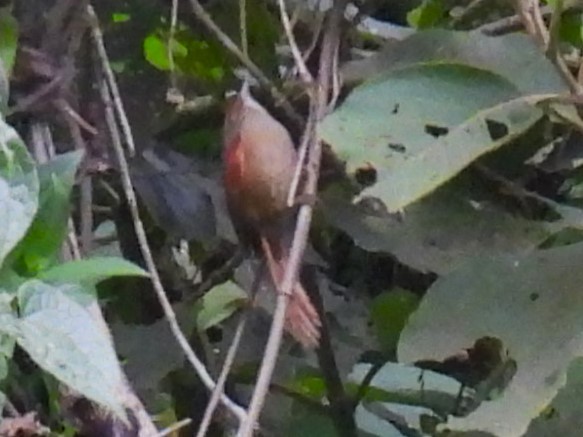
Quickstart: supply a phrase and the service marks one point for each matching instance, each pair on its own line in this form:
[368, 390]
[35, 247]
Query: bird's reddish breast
[234, 159]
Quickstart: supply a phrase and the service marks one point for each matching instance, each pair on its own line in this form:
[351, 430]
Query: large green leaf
[46, 234]
[92, 270]
[61, 336]
[8, 40]
[420, 126]
[19, 188]
[510, 56]
[533, 304]
[462, 219]
[563, 416]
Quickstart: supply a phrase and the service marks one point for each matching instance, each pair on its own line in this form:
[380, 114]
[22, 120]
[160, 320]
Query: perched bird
[259, 160]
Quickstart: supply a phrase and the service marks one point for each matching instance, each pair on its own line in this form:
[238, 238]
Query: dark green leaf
[462, 219]
[532, 304]
[19, 187]
[414, 143]
[8, 39]
[505, 56]
[563, 416]
[45, 236]
[389, 313]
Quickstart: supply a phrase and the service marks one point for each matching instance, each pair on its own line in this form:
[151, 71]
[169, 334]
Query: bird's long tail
[302, 318]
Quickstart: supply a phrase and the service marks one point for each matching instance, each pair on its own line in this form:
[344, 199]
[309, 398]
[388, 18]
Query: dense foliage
[445, 246]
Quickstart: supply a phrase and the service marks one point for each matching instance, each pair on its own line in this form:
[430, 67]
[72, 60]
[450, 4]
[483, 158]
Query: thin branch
[468, 12]
[218, 391]
[365, 383]
[302, 153]
[111, 82]
[533, 20]
[341, 406]
[228, 43]
[531, 16]
[243, 27]
[170, 46]
[86, 198]
[175, 427]
[318, 108]
[297, 55]
[230, 358]
[508, 24]
[148, 258]
[222, 273]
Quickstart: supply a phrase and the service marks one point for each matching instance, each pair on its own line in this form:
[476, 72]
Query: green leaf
[389, 313]
[420, 126]
[219, 304]
[63, 338]
[156, 51]
[563, 416]
[45, 236]
[91, 270]
[8, 39]
[306, 422]
[504, 55]
[19, 189]
[463, 218]
[119, 17]
[430, 13]
[532, 304]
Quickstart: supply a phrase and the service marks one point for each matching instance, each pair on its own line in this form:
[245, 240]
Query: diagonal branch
[228, 43]
[318, 108]
[197, 364]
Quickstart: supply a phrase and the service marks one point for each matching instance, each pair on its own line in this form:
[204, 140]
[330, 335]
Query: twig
[468, 11]
[302, 153]
[111, 82]
[175, 427]
[228, 43]
[508, 24]
[222, 273]
[318, 108]
[230, 358]
[69, 112]
[297, 55]
[170, 47]
[243, 27]
[315, 35]
[310, 403]
[148, 258]
[86, 199]
[532, 18]
[218, 391]
[365, 383]
[341, 406]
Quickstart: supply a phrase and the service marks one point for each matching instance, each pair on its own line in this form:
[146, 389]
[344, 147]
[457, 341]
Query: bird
[259, 160]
